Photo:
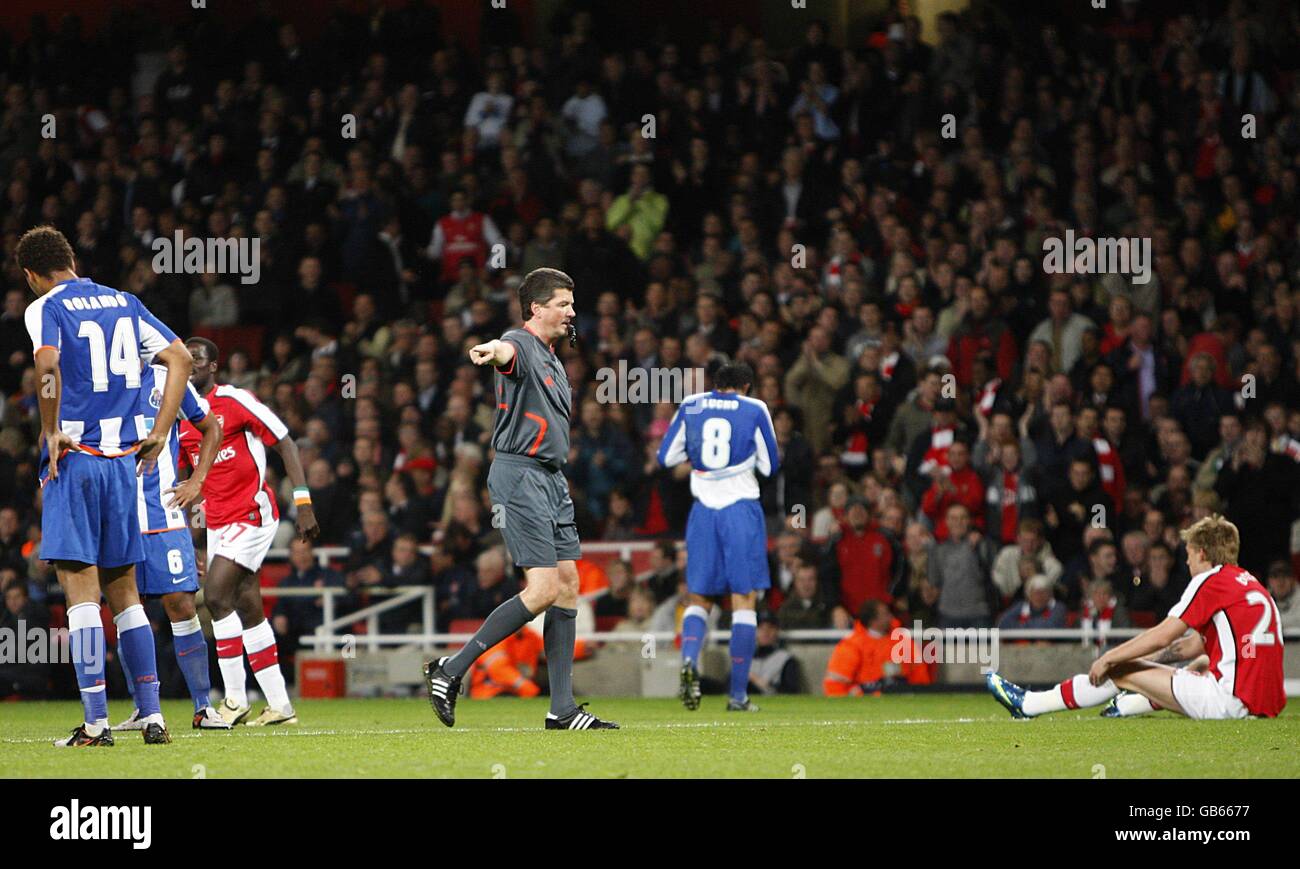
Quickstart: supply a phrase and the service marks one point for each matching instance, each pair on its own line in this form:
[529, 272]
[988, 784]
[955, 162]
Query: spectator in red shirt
[462, 234]
[865, 558]
[981, 332]
[956, 484]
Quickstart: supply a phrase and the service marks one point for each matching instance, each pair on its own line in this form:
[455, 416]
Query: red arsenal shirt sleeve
[1199, 602]
[190, 440]
[258, 418]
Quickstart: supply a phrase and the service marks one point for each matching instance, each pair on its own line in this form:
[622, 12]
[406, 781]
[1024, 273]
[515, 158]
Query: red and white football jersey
[1242, 629]
[236, 489]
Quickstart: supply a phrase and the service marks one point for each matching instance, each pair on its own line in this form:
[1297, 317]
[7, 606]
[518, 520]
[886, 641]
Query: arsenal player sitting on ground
[1235, 646]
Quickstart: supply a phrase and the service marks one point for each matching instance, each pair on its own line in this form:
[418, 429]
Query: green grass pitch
[957, 735]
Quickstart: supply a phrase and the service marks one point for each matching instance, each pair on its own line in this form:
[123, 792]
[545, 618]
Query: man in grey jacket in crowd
[959, 568]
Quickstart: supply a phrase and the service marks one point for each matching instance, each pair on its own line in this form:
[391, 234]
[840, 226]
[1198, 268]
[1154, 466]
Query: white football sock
[264, 658]
[1133, 704]
[229, 636]
[1074, 693]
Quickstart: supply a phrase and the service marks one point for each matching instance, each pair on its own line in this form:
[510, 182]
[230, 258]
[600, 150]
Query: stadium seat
[110, 628]
[272, 575]
[463, 626]
[774, 598]
[347, 293]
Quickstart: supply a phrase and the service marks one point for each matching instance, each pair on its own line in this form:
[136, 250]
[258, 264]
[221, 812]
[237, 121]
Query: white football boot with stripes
[579, 719]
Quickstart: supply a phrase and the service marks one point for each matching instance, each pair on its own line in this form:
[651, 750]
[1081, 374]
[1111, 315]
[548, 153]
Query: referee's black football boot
[579, 719]
[443, 688]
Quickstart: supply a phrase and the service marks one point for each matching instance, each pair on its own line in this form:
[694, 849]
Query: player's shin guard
[229, 634]
[192, 656]
[559, 633]
[744, 629]
[86, 641]
[694, 626]
[135, 638]
[1074, 693]
[264, 658]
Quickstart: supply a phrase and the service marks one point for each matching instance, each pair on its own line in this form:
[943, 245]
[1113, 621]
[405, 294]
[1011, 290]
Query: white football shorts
[244, 544]
[1204, 697]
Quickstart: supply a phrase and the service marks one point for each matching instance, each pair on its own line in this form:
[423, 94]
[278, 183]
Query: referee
[527, 486]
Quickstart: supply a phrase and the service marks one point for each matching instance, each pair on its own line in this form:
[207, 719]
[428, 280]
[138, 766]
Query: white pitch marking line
[663, 725]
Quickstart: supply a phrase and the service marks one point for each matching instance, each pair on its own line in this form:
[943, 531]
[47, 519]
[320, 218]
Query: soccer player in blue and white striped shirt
[89, 344]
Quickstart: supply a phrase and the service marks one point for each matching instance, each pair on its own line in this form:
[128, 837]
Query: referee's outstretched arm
[495, 353]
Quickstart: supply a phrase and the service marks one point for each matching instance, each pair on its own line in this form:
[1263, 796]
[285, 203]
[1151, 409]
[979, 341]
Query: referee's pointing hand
[483, 353]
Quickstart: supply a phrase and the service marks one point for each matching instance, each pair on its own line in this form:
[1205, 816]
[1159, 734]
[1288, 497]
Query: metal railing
[328, 635]
[399, 596]
[622, 548]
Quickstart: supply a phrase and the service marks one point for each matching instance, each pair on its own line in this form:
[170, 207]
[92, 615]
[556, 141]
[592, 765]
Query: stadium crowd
[965, 437]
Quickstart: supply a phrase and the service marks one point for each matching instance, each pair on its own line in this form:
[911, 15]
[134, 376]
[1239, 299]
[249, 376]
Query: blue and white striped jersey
[150, 501]
[102, 336]
[726, 437]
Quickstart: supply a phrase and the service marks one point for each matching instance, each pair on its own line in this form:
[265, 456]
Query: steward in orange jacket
[505, 668]
[864, 659]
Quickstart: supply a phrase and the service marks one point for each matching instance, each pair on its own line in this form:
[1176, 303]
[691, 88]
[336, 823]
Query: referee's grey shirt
[533, 402]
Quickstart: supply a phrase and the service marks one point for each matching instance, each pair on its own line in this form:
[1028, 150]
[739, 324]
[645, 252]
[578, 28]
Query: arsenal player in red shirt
[1235, 645]
[241, 517]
